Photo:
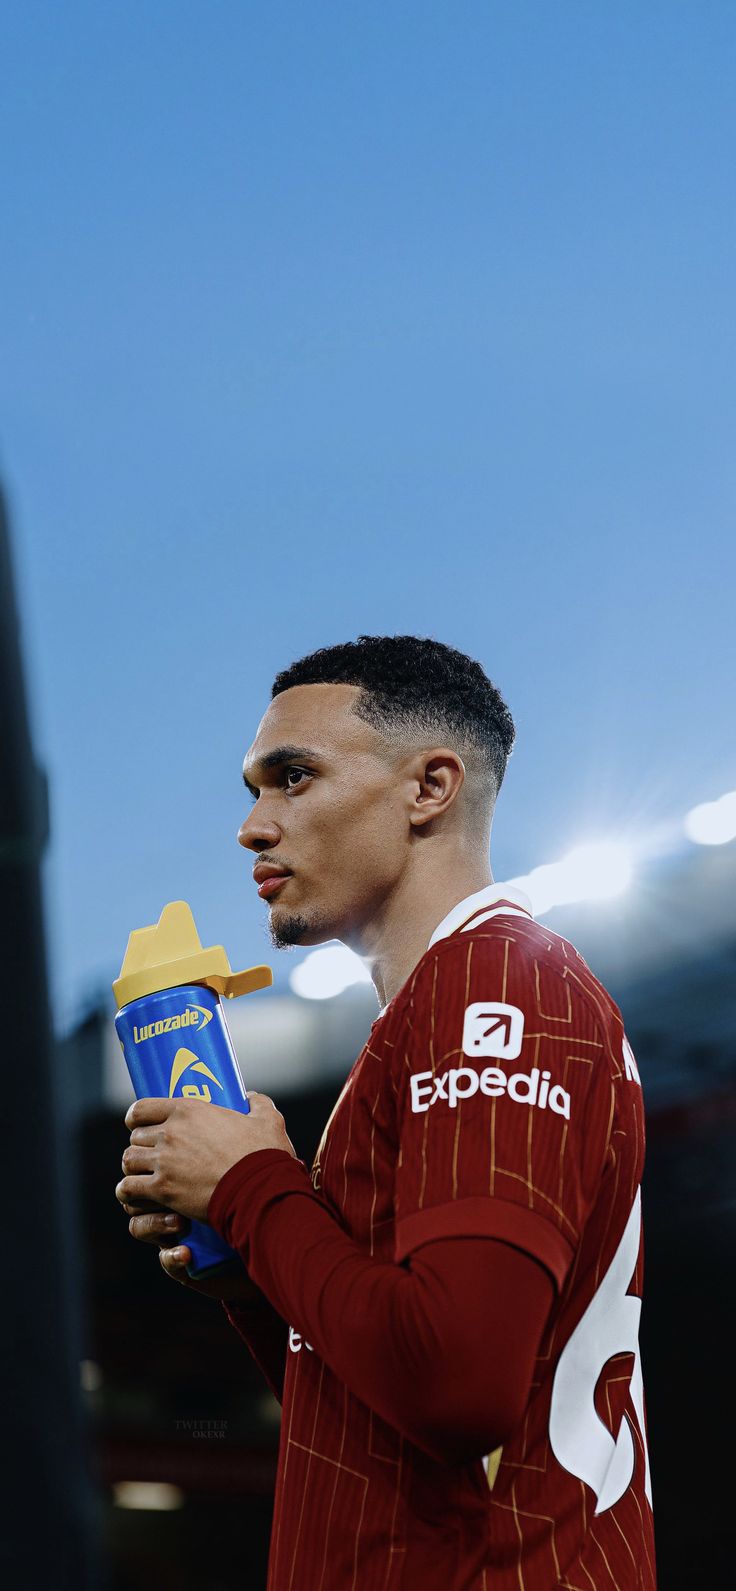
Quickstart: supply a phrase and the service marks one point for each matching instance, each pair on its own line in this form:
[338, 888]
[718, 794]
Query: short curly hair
[414, 684]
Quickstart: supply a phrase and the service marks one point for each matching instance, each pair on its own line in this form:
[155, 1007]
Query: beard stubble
[291, 930]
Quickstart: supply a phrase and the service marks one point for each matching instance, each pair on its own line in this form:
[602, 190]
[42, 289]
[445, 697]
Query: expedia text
[461, 1082]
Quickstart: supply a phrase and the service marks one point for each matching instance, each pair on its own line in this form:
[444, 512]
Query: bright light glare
[147, 1494]
[590, 872]
[90, 1375]
[713, 822]
[327, 971]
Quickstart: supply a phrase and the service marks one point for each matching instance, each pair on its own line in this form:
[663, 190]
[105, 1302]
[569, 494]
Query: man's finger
[142, 1206]
[157, 1228]
[137, 1158]
[135, 1190]
[147, 1112]
[145, 1135]
[260, 1099]
[175, 1261]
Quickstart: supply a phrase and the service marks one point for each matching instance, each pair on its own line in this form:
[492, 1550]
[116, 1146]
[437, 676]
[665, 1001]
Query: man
[456, 1289]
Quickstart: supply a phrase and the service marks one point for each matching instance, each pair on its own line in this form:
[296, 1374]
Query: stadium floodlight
[597, 871]
[90, 1375]
[713, 822]
[144, 1495]
[327, 971]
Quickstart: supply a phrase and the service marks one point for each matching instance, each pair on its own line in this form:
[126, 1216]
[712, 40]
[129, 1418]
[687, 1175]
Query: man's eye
[293, 777]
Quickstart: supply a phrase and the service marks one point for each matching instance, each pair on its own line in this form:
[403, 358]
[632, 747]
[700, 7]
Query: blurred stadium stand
[48, 1531]
[171, 1392]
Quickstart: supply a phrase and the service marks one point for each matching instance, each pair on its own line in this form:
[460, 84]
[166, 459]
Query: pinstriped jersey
[497, 1095]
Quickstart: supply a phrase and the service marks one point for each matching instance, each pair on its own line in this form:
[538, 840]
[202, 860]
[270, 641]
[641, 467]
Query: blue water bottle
[174, 1036]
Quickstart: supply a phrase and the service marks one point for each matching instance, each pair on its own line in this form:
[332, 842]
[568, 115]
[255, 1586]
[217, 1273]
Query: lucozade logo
[193, 1016]
[183, 1060]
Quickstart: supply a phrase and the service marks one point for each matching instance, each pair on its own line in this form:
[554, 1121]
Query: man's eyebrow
[278, 759]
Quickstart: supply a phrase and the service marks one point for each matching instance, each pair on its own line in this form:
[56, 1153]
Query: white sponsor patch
[525, 1088]
[492, 1028]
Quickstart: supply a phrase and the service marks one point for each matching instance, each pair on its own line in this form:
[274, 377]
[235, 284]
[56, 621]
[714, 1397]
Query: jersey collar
[482, 901]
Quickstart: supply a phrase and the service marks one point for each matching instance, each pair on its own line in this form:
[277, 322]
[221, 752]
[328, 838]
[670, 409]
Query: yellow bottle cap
[170, 952]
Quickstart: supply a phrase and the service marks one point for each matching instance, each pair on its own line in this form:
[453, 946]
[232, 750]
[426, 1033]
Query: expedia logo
[491, 1027]
[182, 1062]
[194, 1016]
[460, 1083]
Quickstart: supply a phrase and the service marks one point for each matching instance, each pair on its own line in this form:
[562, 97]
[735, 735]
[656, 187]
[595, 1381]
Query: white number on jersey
[580, 1441]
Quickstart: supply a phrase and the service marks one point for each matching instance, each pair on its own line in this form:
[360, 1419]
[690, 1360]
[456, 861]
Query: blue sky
[340, 318]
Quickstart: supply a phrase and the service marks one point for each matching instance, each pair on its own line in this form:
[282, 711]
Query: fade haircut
[414, 686]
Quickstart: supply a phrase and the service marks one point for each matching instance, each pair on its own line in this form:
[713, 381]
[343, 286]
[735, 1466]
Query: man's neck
[396, 940]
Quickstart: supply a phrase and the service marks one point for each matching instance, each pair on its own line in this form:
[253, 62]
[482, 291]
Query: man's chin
[295, 928]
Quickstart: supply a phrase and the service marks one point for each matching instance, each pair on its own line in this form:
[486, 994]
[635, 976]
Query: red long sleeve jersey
[497, 1096]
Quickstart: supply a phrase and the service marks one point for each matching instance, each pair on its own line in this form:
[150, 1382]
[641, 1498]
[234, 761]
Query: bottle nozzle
[170, 952]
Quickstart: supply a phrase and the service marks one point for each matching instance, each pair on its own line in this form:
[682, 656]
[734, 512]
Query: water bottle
[173, 1033]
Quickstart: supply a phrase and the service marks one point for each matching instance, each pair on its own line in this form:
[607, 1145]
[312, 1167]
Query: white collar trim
[480, 901]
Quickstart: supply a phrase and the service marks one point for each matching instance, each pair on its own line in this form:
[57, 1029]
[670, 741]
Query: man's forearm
[436, 1347]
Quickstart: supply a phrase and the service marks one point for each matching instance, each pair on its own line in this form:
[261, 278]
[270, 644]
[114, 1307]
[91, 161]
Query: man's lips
[270, 885]
[269, 879]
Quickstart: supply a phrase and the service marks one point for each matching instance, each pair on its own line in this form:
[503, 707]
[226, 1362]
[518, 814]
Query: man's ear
[440, 776]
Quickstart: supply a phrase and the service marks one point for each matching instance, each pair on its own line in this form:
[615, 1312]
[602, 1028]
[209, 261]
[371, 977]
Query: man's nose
[258, 833]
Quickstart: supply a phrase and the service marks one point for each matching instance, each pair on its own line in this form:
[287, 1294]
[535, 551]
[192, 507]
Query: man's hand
[231, 1284]
[180, 1148]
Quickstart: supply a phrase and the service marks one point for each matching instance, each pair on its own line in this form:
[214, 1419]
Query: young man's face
[331, 818]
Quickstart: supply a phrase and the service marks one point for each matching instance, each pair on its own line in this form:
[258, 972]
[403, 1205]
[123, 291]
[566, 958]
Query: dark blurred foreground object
[47, 1531]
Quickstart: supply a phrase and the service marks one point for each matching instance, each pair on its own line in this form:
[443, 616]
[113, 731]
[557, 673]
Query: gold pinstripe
[338, 1467]
[306, 1477]
[529, 1133]
[433, 1069]
[277, 1533]
[601, 1550]
[548, 1016]
[373, 1165]
[643, 1534]
[458, 1124]
[584, 1495]
[519, 1570]
[623, 1535]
